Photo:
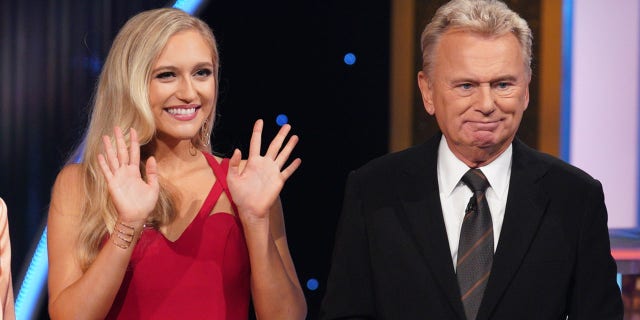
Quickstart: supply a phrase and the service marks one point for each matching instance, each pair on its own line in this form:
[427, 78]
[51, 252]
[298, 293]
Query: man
[424, 234]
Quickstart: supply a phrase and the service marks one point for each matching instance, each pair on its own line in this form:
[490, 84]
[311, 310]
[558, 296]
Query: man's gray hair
[488, 17]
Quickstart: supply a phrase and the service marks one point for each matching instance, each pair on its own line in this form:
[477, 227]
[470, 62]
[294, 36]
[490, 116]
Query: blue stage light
[565, 92]
[350, 59]
[282, 119]
[619, 280]
[312, 284]
[188, 6]
[34, 282]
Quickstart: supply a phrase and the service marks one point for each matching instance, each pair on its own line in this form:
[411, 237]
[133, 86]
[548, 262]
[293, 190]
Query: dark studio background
[287, 57]
[282, 56]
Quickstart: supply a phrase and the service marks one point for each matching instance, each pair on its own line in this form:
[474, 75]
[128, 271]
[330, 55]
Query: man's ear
[526, 93]
[426, 92]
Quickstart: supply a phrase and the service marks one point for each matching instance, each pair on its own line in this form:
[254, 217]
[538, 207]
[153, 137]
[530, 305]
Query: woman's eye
[165, 75]
[203, 72]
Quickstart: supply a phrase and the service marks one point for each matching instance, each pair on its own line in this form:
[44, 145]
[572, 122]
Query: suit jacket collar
[422, 216]
[525, 208]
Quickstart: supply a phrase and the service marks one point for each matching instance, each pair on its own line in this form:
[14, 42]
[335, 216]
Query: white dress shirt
[454, 194]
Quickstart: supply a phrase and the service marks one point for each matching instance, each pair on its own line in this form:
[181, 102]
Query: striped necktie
[475, 249]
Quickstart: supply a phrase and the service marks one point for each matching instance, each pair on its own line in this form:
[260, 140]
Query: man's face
[478, 90]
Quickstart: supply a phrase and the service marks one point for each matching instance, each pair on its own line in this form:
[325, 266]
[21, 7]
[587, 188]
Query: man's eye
[165, 75]
[466, 86]
[503, 85]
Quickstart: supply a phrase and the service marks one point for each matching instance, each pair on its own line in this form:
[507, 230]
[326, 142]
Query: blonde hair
[488, 17]
[121, 99]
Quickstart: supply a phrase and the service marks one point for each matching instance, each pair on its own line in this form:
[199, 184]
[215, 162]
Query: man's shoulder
[410, 158]
[553, 168]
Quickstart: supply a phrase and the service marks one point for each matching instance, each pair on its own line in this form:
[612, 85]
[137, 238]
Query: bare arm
[74, 294]
[255, 187]
[275, 287]
[6, 289]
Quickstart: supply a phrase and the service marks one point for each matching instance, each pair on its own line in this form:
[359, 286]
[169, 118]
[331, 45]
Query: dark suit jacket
[392, 259]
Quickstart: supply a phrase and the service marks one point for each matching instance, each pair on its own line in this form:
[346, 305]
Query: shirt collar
[451, 169]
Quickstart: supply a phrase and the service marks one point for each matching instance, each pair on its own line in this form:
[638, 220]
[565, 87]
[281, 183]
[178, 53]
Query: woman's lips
[183, 113]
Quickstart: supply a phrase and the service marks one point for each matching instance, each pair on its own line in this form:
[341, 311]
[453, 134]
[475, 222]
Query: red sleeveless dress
[204, 274]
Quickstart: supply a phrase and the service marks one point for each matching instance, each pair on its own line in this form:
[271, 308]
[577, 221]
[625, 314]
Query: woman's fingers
[286, 151]
[152, 173]
[234, 162]
[289, 170]
[276, 151]
[110, 154]
[105, 167]
[121, 155]
[134, 154]
[276, 143]
[121, 145]
[256, 138]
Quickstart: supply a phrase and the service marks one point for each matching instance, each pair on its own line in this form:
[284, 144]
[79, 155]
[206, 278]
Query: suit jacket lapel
[421, 216]
[526, 203]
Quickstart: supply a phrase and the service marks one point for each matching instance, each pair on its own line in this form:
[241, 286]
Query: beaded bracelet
[123, 235]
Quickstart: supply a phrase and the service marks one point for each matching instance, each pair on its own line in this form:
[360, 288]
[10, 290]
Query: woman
[150, 224]
[6, 289]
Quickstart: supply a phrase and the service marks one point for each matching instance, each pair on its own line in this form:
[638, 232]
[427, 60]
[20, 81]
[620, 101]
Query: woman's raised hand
[256, 187]
[134, 198]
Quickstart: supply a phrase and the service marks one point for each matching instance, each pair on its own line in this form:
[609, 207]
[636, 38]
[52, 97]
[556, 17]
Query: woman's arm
[6, 288]
[255, 186]
[74, 294]
[275, 287]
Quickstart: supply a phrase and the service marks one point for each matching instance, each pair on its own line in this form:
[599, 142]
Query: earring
[205, 133]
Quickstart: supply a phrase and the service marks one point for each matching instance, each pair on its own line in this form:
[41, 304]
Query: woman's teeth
[181, 110]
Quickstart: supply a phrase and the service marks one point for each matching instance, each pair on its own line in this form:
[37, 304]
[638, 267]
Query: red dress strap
[205, 273]
[220, 171]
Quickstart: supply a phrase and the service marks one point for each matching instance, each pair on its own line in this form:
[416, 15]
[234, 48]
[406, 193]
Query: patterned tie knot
[475, 180]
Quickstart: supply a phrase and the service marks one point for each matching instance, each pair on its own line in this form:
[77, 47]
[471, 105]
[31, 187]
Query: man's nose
[486, 99]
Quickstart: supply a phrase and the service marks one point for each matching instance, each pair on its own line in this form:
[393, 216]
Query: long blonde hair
[121, 99]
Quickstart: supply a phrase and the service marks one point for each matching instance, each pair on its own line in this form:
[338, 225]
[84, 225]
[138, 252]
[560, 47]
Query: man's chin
[490, 143]
[483, 140]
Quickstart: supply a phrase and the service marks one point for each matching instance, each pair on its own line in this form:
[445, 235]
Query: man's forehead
[464, 56]
[478, 35]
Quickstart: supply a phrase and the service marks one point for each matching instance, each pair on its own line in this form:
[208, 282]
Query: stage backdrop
[602, 114]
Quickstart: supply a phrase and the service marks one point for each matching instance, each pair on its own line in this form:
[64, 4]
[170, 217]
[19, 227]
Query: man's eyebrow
[510, 78]
[505, 78]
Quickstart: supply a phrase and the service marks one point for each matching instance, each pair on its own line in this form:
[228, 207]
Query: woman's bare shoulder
[68, 190]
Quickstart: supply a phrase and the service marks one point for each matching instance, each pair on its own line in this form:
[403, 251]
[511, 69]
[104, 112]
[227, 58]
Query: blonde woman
[6, 288]
[151, 225]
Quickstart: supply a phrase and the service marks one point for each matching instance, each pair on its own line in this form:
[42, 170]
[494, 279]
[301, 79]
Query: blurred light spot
[350, 59]
[94, 64]
[312, 284]
[282, 119]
